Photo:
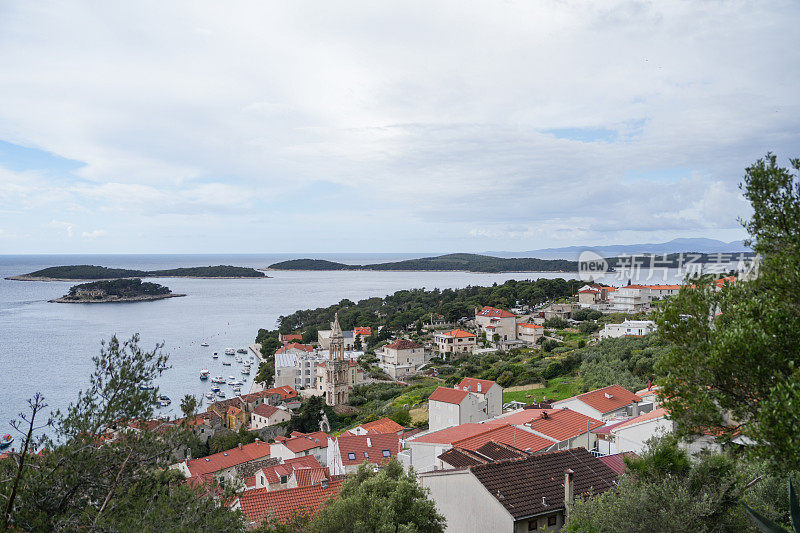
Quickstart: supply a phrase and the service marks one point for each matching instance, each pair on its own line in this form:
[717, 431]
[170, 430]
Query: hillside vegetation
[466, 262]
[101, 272]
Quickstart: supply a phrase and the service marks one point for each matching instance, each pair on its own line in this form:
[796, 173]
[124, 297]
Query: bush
[588, 327]
[556, 323]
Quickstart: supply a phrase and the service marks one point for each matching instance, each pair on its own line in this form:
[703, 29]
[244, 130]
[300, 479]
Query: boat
[218, 379]
[226, 363]
[231, 380]
[215, 388]
[215, 356]
[230, 351]
[162, 366]
[210, 395]
[6, 441]
[246, 370]
[221, 393]
[147, 387]
[237, 390]
[164, 403]
[238, 358]
[242, 350]
[204, 374]
[204, 344]
[163, 398]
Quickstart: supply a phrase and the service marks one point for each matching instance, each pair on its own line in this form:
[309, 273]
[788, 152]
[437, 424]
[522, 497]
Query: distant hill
[673, 246]
[464, 262]
[87, 272]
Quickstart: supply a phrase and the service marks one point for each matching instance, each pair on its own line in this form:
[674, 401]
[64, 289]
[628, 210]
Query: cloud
[94, 234]
[63, 227]
[529, 123]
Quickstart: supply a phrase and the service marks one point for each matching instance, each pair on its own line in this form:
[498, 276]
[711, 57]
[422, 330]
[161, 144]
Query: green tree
[735, 365]
[386, 502]
[85, 482]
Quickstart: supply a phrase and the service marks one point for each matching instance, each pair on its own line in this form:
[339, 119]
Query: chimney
[369, 443]
[479, 387]
[569, 490]
[240, 445]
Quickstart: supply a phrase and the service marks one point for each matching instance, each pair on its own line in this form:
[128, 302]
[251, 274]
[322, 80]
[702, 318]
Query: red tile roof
[471, 385]
[228, 458]
[382, 425]
[652, 415]
[295, 345]
[450, 435]
[302, 442]
[274, 473]
[310, 476]
[362, 330]
[292, 337]
[651, 390]
[403, 344]
[563, 424]
[598, 399]
[616, 462]
[282, 504]
[368, 448]
[508, 434]
[494, 312]
[458, 333]
[447, 395]
[531, 326]
[265, 410]
[665, 287]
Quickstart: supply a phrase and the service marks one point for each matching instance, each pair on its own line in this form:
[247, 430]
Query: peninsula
[117, 290]
[449, 262]
[92, 272]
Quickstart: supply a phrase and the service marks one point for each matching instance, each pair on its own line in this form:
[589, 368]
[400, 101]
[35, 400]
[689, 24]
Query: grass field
[557, 389]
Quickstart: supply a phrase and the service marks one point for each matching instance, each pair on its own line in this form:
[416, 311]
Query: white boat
[210, 395]
[238, 358]
[204, 344]
[162, 366]
[242, 350]
[204, 374]
[230, 351]
[231, 380]
[215, 388]
[218, 379]
[246, 370]
[215, 356]
[237, 390]
[221, 393]
[6, 441]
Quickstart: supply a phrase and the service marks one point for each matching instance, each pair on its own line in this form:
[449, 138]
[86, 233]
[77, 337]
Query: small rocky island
[92, 272]
[117, 290]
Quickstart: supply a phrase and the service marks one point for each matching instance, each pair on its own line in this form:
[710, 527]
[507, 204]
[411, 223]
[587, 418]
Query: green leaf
[794, 508]
[764, 524]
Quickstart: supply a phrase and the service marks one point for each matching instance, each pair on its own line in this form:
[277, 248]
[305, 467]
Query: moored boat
[204, 374]
[204, 344]
[242, 350]
[210, 395]
[230, 351]
[218, 379]
[6, 441]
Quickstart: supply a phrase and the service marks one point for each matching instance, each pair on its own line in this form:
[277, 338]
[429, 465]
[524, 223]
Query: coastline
[143, 298]
[24, 277]
[417, 270]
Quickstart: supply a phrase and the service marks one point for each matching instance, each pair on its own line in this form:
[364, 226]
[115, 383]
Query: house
[324, 339]
[529, 494]
[347, 452]
[489, 452]
[455, 341]
[290, 337]
[452, 407]
[488, 391]
[631, 435]
[360, 334]
[245, 404]
[280, 505]
[294, 365]
[564, 428]
[382, 425]
[559, 311]
[603, 404]
[650, 394]
[631, 298]
[629, 328]
[223, 465]
[401, 358]
[494, 321]
[276, 476]
[300, 444]
[530, 333]
[304, 477]
[267, 415]
[234, 418]
[663, 291]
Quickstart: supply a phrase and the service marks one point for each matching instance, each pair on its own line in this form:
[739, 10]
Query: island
[92, 272]
[117, 290]
[449, 262]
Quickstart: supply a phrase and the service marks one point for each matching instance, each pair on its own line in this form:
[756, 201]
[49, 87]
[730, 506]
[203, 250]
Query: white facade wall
[628, 327]
[629, 300]
[446, 344]
[506, 327]
[632, 438]
[442, 415]
[579, 406]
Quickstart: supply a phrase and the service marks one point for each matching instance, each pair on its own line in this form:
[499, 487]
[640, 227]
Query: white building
[629, 328]
[301, 444]
[268, 415]
[347, 452]
[530, 333]
[632, 435]
[488, 391]
[631, 298]
[496, 321]
[452, 407]
[455, 341]
[603, 404]
[402, 358]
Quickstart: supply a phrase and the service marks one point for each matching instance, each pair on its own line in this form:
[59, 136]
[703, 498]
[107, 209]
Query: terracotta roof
[382, 425]
[281, 504]
[517, 418]
[355, 449]
[665, 287]
[295, 345]
[302, 442]
[616, 462]
[362, 330]
[606, 430]
[292, 337]
[447, 395]
[591, 291]
[598, 399]
[531, 326]
[636, 287]
[250, 482]
[471, 385]
[563, 424]
[535, 485]
[403, 344]
[458, 333]
[228, 458]
[508, 434]
[309, 476]
[652, 415]
[450, 435]
[494, 312]
[273, 473]
[461, 457]
[491, 451]
[644, 392]
[265, 410]
[234, 410]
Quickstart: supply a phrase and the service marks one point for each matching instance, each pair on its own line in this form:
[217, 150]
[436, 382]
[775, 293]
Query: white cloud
[442, 111]
[94, 234]
[66, 228]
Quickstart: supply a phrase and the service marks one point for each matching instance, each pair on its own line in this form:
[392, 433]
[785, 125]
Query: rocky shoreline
[114, 299]
[24, 277]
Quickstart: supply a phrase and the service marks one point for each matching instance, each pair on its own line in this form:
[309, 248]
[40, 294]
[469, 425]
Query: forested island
[491, 264]
[117, 290]
[92, 272]
[463, 262]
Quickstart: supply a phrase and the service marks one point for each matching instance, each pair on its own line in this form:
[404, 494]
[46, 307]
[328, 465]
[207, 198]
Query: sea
[48, 347]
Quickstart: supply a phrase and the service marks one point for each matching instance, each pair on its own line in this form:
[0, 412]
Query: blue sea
[48, 347]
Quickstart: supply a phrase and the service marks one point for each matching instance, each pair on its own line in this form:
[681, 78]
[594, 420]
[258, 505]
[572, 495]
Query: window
[552, 520]
[284, 479]
[351, 456]
[386, 453]
[366, 455]
[533, 525]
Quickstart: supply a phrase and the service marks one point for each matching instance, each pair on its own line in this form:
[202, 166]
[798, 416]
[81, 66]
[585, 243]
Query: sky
[414, 126]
